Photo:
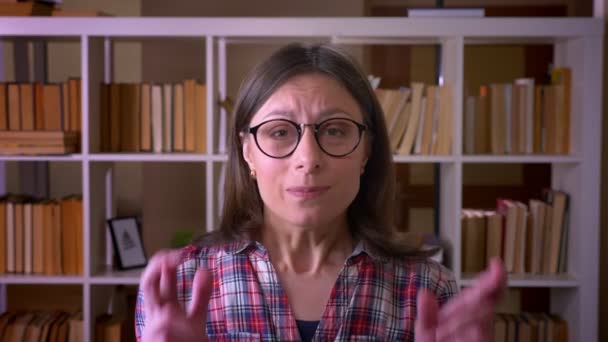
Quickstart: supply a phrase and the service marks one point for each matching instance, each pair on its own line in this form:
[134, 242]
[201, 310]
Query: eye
[277, 130]
[337, 128]
[278, 133]
[335, 131]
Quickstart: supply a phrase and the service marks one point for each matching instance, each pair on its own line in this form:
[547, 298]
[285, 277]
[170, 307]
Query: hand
[467, 317]
[165, 318]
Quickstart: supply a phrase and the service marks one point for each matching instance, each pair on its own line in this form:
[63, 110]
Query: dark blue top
[307, 329]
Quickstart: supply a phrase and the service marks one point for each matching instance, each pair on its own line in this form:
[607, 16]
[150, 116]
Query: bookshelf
[577, 44]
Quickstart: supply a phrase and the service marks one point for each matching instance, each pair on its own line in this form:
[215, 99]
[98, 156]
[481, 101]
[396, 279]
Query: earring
[252, 173]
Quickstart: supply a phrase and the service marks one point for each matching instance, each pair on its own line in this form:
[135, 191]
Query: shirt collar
[239, 247]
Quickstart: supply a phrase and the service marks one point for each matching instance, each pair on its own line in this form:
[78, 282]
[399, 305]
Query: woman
[305, 245]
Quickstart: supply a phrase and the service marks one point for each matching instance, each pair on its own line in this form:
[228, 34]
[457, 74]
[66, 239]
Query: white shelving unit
[577, 44]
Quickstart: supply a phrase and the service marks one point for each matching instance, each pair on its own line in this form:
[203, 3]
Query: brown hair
[370, 215]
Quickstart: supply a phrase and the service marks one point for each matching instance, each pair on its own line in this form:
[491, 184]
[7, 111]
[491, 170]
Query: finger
[202, 287]
[149, 282]
[473, 320]
[426, 316]
[480, 330]
[168, 280]
[486, 291]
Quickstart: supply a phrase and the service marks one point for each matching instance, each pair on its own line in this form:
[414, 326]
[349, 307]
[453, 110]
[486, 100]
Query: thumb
[427, 309]
[202, 286]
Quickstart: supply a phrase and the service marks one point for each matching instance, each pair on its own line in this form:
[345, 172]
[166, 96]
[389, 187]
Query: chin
[311, 219]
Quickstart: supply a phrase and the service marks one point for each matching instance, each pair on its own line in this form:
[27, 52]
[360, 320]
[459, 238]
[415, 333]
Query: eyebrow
[322, 114]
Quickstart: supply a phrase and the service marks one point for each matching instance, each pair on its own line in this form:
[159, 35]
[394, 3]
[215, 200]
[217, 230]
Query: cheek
[269, 178]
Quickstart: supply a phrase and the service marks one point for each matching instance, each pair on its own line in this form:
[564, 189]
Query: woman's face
[309, 187]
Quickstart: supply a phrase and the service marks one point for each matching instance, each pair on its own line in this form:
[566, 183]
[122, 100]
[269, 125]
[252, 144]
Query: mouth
[307, 192]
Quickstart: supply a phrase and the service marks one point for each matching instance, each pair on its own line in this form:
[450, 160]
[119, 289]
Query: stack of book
[41, 237]
[159, 118]
[419, 119]
[38, 142]
[41, 326]
[527, 326]
[40, 118]
[16, 8]
[529, 238]
[519, 117]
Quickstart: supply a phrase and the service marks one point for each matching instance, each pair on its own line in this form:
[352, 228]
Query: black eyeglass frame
[300, 129]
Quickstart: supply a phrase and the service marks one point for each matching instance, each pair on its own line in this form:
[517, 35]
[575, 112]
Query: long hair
[370, 215]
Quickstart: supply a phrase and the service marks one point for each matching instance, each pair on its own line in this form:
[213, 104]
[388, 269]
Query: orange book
[65, 105]
[67, 236]
[77, 209]
[25, 9]
[189, 115]
[38, 107]
[53, 110]
[200, 118]
[19, 242]
[14, 107]
[58, 250]
[146, 118]
[74, 95]
[26, 91]
[178, 117]
[3, 107]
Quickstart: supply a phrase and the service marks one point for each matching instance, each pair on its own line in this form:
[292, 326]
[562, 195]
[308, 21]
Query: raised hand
[165, 318]
[468, 316]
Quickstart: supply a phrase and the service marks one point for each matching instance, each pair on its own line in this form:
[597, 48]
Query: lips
[307, 192]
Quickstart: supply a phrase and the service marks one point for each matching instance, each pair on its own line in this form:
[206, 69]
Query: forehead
[307, 96]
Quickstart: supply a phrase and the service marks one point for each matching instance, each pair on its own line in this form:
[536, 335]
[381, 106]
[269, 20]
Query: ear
[363, 164]
[246, 150]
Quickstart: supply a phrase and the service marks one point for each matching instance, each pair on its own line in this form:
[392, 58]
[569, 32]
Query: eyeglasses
[279, 138]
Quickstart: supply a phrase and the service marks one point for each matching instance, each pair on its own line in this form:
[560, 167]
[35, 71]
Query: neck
[306, 250]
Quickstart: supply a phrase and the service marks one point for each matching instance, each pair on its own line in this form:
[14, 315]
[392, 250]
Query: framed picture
[127, 241]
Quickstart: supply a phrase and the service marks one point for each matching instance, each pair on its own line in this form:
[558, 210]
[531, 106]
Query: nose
[308, 154]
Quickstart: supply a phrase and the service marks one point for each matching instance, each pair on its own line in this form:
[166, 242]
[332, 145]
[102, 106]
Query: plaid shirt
[373, 299]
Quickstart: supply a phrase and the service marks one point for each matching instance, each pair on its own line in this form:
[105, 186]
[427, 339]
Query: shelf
[431, 28]
[40, 279]
[67, 157]
[528, 159]
[531, 280]
[423, 159]
[115, 277]
[151, 157]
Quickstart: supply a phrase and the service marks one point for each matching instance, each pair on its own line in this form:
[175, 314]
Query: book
[200, 118]
[157, 118]
[178, 118]
[445, 12]
[26, 8]
[189, 87]
[146, 118]
[411, 131]
[14, 107]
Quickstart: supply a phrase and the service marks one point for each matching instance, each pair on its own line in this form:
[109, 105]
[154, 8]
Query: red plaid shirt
[373, 299]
